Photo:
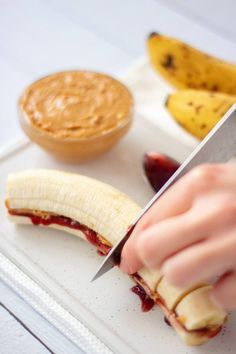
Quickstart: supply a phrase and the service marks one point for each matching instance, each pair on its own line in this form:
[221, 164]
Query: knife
[217, 147]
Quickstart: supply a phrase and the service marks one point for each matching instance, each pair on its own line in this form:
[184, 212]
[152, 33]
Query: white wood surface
[42, 36]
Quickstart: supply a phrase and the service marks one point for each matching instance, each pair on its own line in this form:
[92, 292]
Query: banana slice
[152, 277]
[172, 295]
[101, 214]
[196, 311]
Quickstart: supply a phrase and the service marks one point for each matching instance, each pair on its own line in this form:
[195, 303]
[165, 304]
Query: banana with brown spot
[198, 111]
[186, 67]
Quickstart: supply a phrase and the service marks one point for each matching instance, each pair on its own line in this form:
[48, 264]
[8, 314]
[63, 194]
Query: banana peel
[198, 111]
[186, 67]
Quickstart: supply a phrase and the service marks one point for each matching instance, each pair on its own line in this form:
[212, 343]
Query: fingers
[130, 260]
[154, 244]
[224, 291]
[170, 236]
[161, 241]
[201, 261]
[180, 197]
[161, 210]
[176, 201]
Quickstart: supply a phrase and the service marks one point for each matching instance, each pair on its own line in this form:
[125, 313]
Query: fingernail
[125, 267]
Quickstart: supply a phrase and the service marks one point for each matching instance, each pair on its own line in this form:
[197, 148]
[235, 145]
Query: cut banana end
[101, 214]
[171, 294]
[195, 338]
[198, 318]
[197, 311]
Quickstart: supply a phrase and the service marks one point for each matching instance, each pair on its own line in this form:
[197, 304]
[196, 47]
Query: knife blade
[217, 147]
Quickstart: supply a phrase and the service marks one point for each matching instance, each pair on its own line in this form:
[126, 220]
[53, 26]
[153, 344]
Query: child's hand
[191, 232]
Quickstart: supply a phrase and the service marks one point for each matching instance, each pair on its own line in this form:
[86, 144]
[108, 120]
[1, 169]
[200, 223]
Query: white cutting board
[64, 265]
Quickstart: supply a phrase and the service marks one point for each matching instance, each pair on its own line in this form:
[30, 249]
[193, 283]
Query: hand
[190, 233]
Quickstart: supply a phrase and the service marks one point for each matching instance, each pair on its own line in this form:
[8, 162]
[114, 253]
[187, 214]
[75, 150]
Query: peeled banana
[101, 214]
[186, 67]
[198, 111]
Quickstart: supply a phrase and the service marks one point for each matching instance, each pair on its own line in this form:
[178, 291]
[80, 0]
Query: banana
[100, 207]
[100, 213]
[198, 111]
[171, 294]
[195, 313]
[186, 67]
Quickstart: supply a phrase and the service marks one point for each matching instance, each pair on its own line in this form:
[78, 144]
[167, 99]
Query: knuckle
[204, 176]
[204, 172]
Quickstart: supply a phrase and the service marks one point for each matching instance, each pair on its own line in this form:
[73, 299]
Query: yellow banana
[186, 67]
[198, 111]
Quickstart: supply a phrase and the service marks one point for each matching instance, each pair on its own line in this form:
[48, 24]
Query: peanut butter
[76, 104]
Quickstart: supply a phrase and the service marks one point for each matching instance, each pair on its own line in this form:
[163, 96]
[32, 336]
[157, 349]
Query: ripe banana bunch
[199, 108]
[198, 111]
[187, 67]
[101, 214]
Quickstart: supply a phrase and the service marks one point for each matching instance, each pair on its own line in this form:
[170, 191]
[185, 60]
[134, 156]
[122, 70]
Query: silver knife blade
[217, 147]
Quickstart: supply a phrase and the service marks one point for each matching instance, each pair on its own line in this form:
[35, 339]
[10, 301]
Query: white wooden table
[42, 36]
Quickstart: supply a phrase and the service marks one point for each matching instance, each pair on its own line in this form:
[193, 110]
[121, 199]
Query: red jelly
[47, 220]
[146, 301]
[167, 321]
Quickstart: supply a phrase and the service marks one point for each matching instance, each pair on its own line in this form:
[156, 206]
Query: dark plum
[158, 168]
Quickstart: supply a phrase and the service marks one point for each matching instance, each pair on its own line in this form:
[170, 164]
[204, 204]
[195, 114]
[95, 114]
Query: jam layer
[49, 219]
[146, 302]
[46, 219]
[95, 239]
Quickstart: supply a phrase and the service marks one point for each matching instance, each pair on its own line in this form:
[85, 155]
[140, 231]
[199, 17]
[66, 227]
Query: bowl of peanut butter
[76, 115]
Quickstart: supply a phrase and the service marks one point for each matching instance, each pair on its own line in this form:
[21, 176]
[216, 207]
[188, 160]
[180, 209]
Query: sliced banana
[151, 277]
[197, 311]
[172, 294]
[193, 338]
[109, 213]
